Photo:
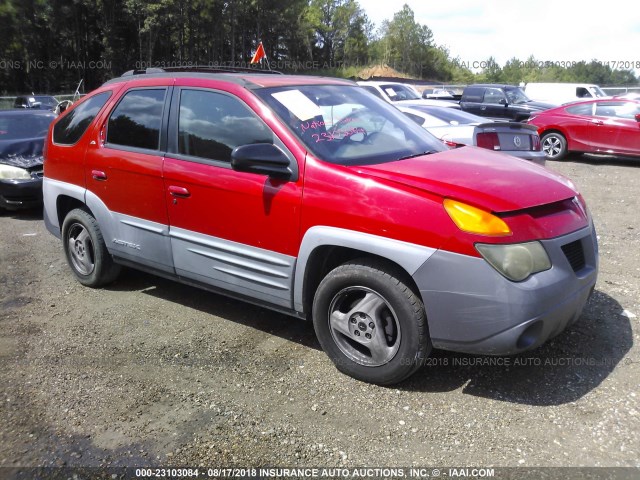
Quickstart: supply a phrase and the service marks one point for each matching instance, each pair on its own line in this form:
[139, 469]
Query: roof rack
[199, 68]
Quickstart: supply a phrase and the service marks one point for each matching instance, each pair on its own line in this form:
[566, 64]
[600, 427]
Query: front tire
[554, 145]
[370, 322]
[86, 251]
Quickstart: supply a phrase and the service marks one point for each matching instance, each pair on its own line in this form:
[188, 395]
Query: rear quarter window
[585, 109]
[72, 126]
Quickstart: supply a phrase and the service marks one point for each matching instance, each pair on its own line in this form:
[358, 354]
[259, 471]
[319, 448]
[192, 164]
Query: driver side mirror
[503, 101]
[637, 117]
[263, 159]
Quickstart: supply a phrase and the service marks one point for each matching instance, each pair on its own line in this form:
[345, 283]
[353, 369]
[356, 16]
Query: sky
[555, 31]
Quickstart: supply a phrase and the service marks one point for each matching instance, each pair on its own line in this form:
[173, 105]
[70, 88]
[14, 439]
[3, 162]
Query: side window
[582, 92]
[73, 125]
[584, 109]
[626, 110]
[136, 120]
[473, 94]
[211, 125]
[494, 95]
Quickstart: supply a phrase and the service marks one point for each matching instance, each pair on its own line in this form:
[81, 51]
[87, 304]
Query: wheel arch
[65, 203]
[324, 248]
[59, 199]
[569, 144]
[555, 130]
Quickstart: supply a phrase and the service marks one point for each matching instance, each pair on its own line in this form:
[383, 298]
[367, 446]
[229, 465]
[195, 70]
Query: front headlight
[7, 172]
[517, 261]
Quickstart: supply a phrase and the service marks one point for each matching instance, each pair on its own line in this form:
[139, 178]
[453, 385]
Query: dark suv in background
[500, 102]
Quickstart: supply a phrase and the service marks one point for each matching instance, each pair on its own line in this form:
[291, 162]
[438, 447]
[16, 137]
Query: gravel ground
[149, 372]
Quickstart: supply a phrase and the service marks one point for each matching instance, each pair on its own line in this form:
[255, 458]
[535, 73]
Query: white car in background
[401, 93]
[455, 128]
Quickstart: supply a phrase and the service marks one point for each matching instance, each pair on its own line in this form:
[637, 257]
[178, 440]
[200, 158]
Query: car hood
[24, 153]
[493, 181]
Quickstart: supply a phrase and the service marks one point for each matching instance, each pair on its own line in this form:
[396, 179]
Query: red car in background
[610, 126]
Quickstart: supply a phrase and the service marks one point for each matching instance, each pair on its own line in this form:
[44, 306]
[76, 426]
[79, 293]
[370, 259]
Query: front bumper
[18, 194]
[471, 308]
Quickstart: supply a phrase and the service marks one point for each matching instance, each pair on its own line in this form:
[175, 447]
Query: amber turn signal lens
[475, 220]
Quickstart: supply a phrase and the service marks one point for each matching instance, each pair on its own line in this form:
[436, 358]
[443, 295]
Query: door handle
[597, 122]
[180, 192]
[98, 175]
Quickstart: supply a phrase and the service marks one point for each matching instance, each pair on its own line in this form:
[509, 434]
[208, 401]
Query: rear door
[232, 230]
[123, 169]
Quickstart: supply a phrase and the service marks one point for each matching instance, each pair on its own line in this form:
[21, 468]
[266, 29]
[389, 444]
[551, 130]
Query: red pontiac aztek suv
[271, 189]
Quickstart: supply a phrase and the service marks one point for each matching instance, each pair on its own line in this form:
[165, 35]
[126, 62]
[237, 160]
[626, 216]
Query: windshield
[347, 125]
[597, 91]
[516, 96]
[399, 92]
[46, 100]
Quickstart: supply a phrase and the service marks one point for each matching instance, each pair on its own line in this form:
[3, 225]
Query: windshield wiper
[428, 152]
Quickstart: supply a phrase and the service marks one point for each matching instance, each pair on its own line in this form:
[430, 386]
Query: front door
[494, 104]
[232, 230]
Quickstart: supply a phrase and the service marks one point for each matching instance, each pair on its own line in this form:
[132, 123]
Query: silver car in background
[455, 127]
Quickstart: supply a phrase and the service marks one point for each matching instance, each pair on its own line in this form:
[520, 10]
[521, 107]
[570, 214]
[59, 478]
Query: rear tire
[554, 145]
[370, 322]
[86, 251]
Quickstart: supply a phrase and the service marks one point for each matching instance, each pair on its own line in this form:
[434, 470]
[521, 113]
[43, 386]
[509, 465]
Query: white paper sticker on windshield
[298, 104]
[391, 92]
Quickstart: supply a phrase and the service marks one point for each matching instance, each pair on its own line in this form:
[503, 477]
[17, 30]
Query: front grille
[575, 254]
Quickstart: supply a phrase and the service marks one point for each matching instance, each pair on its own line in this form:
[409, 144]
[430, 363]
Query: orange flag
[259, 55]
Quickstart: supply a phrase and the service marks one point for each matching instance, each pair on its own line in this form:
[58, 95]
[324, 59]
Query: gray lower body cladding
[471, 308]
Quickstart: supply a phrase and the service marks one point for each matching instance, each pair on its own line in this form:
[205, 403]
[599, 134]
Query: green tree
[408, 46]
[340, 28]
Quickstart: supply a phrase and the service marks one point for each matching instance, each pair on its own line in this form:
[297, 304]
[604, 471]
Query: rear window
[72, 126]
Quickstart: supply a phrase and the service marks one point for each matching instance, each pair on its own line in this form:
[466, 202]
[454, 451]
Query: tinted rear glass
[73, 125]
[136, 120]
